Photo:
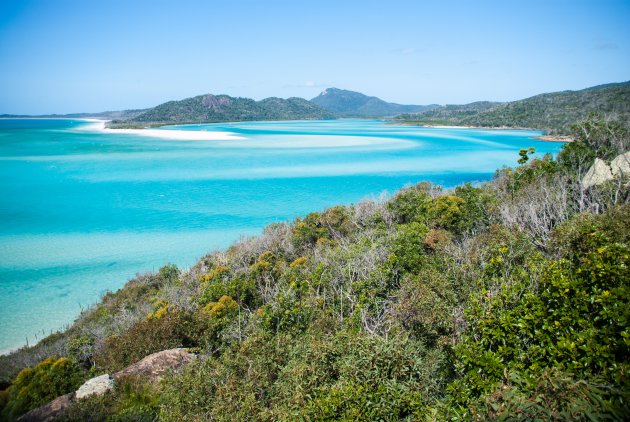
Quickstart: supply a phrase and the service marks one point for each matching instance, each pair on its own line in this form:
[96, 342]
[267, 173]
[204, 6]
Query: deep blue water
[82, 211]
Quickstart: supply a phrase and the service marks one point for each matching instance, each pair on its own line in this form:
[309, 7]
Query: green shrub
[475, 211]
[311, 376]
[408, 245]
[146, 337]
[169, 273]
[308, 231]
[576, 236]
[81, 350]
[287, 312]
[133, 400]
[411, 204]
[219, 282]
[425, 307]
[233, 386]
[568, 315]
[268, 264]
[549, 395]
[337, 221]
[351, 376]
[224, 307]
[36, 386]
[445, 211]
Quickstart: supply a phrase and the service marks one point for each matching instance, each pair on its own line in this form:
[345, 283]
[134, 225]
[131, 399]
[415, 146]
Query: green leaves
[36, 386]
[573, 318]
[524, 154]
[409, 245]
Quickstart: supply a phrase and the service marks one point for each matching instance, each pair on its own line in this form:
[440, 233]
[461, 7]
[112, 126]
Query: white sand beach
[175, 134]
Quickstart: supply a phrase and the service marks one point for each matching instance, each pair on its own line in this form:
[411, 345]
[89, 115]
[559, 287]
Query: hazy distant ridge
[350, 103]
[105, 115]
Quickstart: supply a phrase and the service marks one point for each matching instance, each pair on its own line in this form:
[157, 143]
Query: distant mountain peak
[214, 102]
[352, 103]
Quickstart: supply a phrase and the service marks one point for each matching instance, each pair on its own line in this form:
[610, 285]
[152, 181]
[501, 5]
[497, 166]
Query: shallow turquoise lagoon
[82, 210]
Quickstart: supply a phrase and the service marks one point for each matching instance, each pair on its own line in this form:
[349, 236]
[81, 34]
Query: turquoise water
[82, 211]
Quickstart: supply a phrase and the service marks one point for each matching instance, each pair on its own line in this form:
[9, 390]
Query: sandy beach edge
[555, 138]
[98, 125]
[545, 138]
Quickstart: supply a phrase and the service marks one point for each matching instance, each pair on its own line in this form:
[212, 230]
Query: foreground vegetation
[505, 300]
[554, 112]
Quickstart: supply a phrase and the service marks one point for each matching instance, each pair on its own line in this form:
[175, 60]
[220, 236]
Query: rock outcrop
[155, 366]
[598, 173]
[50, 411]
[620, 166]
[151, 368]
[96, 386]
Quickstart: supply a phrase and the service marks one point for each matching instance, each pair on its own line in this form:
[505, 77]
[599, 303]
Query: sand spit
[174, 134]
[555, 138]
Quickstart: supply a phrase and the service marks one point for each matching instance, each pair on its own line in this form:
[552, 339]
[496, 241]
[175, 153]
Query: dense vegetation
[505, 300]
[223, 108]
[448, 114]
[349, 103]
[554, 112]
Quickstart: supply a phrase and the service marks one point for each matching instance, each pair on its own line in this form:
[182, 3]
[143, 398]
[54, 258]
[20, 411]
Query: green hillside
[450, 113]
[504, 301]
[349, 103]
[552, 112]
[223, 108]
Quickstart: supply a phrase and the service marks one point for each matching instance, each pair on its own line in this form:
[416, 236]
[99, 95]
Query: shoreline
[203, 135]
[403, 123]
[98, 125]
[544, 138]
[555, 138]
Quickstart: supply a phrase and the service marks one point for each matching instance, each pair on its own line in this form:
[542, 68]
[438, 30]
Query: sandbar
[174, 134]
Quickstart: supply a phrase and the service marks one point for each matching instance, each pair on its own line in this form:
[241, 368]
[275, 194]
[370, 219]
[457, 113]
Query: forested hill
[350, 103]
[223, 108]
[554, 112]
[450, 113]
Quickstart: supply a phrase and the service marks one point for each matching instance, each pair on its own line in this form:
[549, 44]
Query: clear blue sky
[68, 56]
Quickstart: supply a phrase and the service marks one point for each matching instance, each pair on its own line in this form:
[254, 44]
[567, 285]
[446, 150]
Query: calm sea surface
[82, 211]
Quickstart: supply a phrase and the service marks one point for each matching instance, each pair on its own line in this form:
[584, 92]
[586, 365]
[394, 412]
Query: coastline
[544, 138]
[175, 134]
[203, 135]
[555, 138]
[403, 123]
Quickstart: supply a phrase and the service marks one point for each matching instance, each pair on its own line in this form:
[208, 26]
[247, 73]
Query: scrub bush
[408, 245]
[411, 204]
[569, 315]
[146, 337]
[133, 400]
[36, 386]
